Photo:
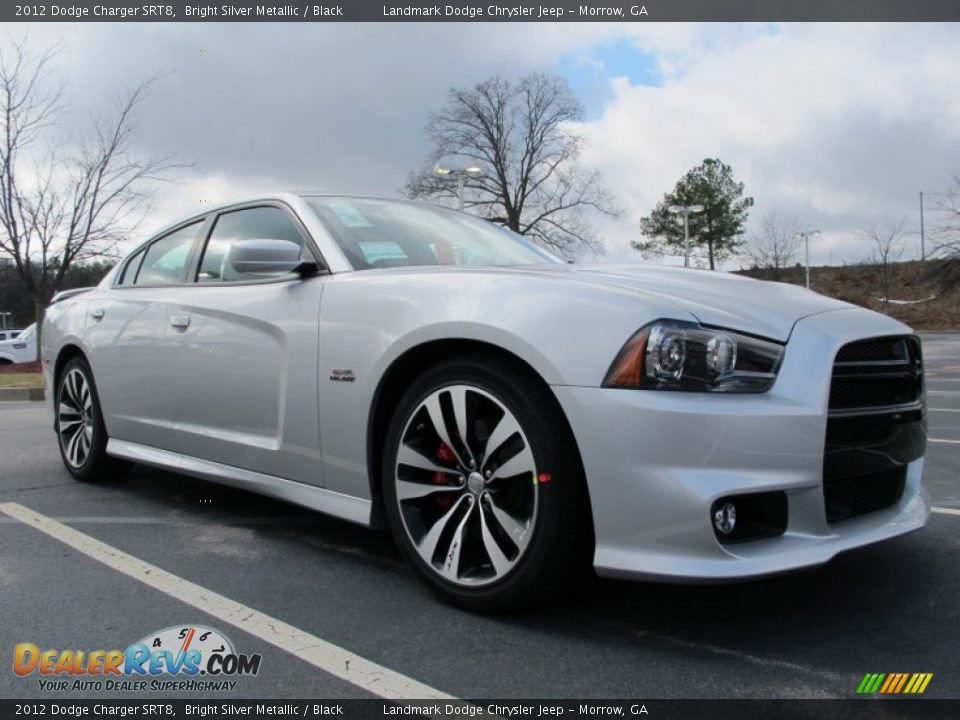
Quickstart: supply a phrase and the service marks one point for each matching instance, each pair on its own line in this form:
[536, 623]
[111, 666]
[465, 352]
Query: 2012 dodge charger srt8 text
[511, 417]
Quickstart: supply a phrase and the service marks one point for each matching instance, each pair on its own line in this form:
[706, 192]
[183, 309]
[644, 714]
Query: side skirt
[353, 509]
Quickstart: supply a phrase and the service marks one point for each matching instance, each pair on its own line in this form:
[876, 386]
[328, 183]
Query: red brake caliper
[445, 454]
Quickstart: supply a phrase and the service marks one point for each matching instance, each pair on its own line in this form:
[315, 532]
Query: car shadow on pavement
[821, 612]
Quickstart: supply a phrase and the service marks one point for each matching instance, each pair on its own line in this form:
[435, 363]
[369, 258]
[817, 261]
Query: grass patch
[21, 380]
[858, 284]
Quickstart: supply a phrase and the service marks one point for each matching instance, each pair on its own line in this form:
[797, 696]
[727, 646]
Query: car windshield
[28, 333]
[384, 233]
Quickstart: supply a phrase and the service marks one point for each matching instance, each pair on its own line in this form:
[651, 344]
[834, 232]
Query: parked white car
[20, 349]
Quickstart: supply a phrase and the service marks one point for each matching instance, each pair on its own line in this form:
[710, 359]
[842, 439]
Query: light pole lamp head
[686, 209]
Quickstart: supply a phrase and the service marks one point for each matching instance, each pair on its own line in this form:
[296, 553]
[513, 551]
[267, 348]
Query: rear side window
[166, 259]
[260, 223]
[130, 271]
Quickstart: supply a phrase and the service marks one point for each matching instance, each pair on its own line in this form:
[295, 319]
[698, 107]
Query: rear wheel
[79, 424]
[483, 486]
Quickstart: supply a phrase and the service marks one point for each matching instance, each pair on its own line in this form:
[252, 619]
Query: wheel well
[404, 370]
[67, 353]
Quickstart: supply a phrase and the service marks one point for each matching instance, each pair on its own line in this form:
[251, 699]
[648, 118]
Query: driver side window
[260, 223]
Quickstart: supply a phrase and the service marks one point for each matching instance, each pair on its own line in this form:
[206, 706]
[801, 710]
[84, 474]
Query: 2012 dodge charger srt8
[511, 417]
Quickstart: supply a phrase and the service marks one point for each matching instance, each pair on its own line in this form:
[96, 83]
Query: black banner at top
[481, 11]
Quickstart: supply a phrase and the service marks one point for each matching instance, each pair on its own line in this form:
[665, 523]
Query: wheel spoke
[408, 490]
[499, 561]
[78, 386]
[451, 561]
[70, 385]
[505, 429]
[406, 455]
[522, 461]
[432, 404]
[85, 443]
[428, 544]
[67, 416]
[73, 447]
[458, 395]
[515, 530]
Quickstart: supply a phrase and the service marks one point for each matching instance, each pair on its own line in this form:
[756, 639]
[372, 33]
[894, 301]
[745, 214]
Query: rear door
[127, 335]
[244, 353]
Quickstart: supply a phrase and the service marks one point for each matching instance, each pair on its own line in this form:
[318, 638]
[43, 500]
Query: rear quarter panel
[64, 323]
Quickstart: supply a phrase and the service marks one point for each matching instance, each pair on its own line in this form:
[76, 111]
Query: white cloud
[839, 124]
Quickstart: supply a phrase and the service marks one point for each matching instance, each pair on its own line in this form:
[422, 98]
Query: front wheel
[79, 424]
[483, 485]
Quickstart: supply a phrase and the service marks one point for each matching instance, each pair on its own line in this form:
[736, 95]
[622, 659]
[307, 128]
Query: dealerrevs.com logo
[185, 658]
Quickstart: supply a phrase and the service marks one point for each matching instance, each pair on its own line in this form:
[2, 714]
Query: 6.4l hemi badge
[342, 374]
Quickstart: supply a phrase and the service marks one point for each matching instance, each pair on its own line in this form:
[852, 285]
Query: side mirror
[267, 258]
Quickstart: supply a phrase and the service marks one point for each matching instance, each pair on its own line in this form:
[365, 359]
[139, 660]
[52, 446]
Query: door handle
[97, 314]
[181, 322]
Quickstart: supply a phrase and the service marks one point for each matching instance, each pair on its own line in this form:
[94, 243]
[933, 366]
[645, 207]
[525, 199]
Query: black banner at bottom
[854, 709]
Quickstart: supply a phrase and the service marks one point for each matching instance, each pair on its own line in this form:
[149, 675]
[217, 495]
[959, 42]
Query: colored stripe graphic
[894, 683]
[903, 680]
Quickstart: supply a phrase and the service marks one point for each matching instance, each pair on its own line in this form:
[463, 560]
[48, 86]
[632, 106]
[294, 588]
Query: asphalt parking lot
[887, 608]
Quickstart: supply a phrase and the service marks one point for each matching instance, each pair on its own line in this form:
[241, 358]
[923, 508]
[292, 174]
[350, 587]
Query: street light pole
[923, 252]
[685, 211]
[806, 250]
[461, 175]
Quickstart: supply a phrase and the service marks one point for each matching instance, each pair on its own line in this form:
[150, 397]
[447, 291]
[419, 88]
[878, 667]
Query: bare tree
[946, 273]
[776, 243]
[520, 134]
[60, 204]
[887, 240]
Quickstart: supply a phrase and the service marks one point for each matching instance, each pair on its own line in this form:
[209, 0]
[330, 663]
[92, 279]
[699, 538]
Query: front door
[244, 356]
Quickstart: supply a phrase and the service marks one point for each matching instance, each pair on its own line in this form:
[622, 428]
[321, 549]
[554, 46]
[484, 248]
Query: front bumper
[656, 461]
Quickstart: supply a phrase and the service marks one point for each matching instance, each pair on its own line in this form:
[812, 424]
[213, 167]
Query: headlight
[675, 355]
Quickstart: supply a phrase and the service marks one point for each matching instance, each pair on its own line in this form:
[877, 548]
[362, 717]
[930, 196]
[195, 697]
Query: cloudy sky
[838, 124]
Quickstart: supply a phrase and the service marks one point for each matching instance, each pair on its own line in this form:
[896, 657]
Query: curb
[14, 394]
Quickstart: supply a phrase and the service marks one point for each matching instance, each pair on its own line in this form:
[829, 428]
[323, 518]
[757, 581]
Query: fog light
[725, 518]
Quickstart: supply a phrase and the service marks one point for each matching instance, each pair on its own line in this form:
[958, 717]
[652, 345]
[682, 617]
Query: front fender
[568, 334]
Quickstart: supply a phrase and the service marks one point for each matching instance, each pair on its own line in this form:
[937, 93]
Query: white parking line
[940, 440]
[311, 649]
[945, 511]
[943, 410]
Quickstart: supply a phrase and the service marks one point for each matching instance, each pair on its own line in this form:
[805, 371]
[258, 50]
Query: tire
[81, 433]
[514, 527]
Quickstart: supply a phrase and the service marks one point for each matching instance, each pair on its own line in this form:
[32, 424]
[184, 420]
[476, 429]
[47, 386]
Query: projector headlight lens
[675, 355]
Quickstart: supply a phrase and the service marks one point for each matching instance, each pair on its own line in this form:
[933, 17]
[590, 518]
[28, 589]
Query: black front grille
[876, 425]
[874, 350]
[849, 497]
[851, 391]
[884, 372]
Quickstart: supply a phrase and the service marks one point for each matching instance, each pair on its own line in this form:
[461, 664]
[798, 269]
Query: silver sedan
[514, 419]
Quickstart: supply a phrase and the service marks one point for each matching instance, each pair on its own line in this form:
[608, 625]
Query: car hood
[767, 309]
